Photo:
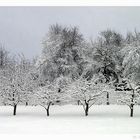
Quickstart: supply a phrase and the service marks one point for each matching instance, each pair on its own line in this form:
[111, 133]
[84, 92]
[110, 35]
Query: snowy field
[69, 119]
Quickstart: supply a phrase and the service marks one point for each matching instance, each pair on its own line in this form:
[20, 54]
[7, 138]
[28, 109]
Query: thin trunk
[131, 112]
[47, 109]
[86, 109]
[132, 105]
[15, 109]
[107, 98]
[26, 103]
[78, 102]
[47, 112]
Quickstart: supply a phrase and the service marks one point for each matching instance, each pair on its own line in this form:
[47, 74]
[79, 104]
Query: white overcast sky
[23, 28]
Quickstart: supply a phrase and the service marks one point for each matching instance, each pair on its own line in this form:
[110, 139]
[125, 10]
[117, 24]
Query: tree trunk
[132, 105]
[47, 112]
[47, 109]
[86, 109]
[78, 102]
[107, 98]
[15, 109]
[26, 103]
[131, 112]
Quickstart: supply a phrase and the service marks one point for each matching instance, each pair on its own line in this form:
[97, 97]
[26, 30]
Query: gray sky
[23, 28]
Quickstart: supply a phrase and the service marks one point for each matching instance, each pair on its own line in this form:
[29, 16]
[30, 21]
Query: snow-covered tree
[131, 68]
[133, 38]
[131, 59]
[129, 94]
[15, 82]
[111, 37]
[11, 92]
[106, 54]
[62, 53]
[48, 95]
[87, 92]
[29, 78]
[4, 58]
[45, 96]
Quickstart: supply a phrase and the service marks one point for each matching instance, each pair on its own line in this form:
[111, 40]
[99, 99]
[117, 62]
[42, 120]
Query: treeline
[74, 70]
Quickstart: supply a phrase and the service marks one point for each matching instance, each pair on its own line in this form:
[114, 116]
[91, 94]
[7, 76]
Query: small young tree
[48, 95]
[44, 97]
[13, 84]
[87, 92]
[12, 95]
[131, 66]
[28, 84]
[129, 94]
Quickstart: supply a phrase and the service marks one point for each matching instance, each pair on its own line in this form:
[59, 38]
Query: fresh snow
[70, 119]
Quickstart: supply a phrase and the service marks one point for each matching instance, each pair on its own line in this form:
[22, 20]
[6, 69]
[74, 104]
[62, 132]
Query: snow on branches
[15, 83]
[87, 92]
[46, 96]
[129, 94]
[51, 93]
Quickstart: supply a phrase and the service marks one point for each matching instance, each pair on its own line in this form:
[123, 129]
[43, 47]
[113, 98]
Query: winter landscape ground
[70, 119]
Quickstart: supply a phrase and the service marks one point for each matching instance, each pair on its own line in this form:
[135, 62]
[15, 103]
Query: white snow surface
[70, 119]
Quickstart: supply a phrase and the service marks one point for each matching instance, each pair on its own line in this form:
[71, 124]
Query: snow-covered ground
[69, 119]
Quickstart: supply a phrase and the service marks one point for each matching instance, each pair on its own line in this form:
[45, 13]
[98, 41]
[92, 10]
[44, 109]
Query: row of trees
[72, 69]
